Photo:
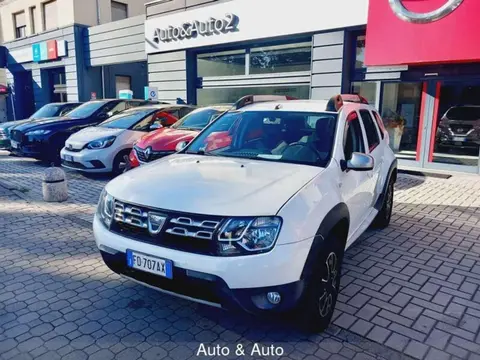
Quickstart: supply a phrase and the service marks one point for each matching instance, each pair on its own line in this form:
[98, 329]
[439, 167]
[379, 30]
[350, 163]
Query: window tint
[465, 113]
[353, 140]
[115, 108]
[380, 124]
[184, 111]
[370, 129]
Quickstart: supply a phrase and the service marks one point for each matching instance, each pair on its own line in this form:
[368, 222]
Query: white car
[262, 221]
[105, 148]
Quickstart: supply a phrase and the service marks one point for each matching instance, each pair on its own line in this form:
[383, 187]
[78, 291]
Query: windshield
[197, 119]
[49, 110]
[86, 109]
[126, 119]
[283, 136]
[465, 113]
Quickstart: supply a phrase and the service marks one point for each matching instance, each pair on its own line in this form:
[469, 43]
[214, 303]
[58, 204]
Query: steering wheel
[307, 145]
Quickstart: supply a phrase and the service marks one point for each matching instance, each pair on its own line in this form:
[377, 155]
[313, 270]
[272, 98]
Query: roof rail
[337, 101]
[252, 99]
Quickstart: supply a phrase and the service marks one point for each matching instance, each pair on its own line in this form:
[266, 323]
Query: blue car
[43, 139]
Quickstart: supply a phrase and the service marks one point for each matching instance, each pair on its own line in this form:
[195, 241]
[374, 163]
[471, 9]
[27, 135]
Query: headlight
[105, 208]
[38, 132]
[240, 236]
[101, 143]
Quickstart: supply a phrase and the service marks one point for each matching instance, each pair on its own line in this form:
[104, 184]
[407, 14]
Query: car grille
[70, 147]
[186, 232]
[145, 156]
[461, 129]
[17, 135]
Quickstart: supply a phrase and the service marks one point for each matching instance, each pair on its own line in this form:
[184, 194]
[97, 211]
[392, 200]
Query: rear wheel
[382, 220]
[120, 162]
[317, 306]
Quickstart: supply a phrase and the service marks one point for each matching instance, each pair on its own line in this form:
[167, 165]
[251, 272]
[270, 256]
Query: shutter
[122, 83]
[50, 15]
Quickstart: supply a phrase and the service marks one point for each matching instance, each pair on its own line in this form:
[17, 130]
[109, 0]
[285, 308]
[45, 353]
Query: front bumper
[227, 282]
[86, 160]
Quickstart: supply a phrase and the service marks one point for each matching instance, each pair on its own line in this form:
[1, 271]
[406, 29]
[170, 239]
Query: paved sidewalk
[410, 291]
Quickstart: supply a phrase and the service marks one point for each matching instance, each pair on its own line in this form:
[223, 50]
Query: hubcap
[329, 285]
[123, 163]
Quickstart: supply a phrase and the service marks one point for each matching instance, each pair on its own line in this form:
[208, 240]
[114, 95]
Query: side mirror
[181, 145]
[360, 162]
[155, 126]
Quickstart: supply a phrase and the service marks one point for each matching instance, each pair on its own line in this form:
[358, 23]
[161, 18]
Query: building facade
[215, 51]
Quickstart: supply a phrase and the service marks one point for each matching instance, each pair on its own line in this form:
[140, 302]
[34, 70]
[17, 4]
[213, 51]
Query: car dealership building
[426, 85]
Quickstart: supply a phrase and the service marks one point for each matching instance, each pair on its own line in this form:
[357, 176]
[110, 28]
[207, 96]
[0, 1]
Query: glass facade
[225, 63]
[367, 89]
[256, 70]
[457, 124]
[400, 109]
[230, 95]
[283, 58]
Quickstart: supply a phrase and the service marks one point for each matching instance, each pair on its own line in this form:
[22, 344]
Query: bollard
[54, 185]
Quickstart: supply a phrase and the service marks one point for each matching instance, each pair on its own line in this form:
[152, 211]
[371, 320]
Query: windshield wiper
[201, 152]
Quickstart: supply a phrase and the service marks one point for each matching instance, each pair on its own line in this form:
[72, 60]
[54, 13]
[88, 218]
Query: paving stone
[378, 334]
[416, 349]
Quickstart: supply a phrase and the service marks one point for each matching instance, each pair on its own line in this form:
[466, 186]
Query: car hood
[212, 185]
[10, 124]
[92, 133]
[165, 138]
[46, 122]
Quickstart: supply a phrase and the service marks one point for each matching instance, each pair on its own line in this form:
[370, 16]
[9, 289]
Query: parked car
[163, 142]
[46, 111]
[105, 148]
[263, 223]
[459, 127]
[43, 139]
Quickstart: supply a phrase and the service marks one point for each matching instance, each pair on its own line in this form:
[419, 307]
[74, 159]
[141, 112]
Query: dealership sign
[246, 20]
[195, 28]
[401, 32]
[44, 51]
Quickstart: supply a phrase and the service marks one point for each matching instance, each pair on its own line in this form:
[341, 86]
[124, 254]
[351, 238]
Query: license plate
[14, 144]
[68, 158]
[459, 138]
[150, 264]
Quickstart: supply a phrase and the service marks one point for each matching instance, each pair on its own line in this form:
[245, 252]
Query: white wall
[86, 13]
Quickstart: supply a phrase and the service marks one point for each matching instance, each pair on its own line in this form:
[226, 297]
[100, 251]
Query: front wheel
[317, 306]
[382, 220]
[120, 162]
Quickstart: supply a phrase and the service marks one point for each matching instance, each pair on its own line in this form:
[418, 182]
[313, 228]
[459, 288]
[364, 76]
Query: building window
[367, 89]
[122, 83]
[223, 63]
[20, 24]
[360, 52]
[50, 15]
[283, 58]
[119, 11]
[33, 18]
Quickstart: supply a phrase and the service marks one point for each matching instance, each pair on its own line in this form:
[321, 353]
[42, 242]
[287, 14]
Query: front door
[356, 186]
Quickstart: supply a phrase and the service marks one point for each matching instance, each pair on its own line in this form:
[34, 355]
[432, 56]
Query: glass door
[454, 142]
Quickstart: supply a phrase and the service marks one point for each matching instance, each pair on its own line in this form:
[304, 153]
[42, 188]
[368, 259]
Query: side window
[143, 125]
[353, 137]
[380, 124]
[116, 108]
[184, 111]
[370, 129]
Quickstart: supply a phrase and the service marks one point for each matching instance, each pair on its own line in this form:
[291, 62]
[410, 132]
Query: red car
[162, 142]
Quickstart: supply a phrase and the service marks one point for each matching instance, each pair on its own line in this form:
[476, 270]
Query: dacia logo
[423, 18]
[155, 222]
[148, 152]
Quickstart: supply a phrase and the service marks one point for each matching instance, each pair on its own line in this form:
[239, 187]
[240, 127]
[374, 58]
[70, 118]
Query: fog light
[274, 298]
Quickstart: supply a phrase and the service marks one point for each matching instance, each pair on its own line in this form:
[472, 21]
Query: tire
[120, 163]
[318, 303]
[382, 220]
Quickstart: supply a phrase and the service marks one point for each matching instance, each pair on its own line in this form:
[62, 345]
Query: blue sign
[43, 51]
[151, 93]
[36, 52]
[125, 94]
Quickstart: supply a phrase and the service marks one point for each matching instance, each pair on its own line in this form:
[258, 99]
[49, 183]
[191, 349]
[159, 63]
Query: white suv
[257, 211]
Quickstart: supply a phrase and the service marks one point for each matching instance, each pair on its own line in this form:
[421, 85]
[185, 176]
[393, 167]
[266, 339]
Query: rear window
[466, 113]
